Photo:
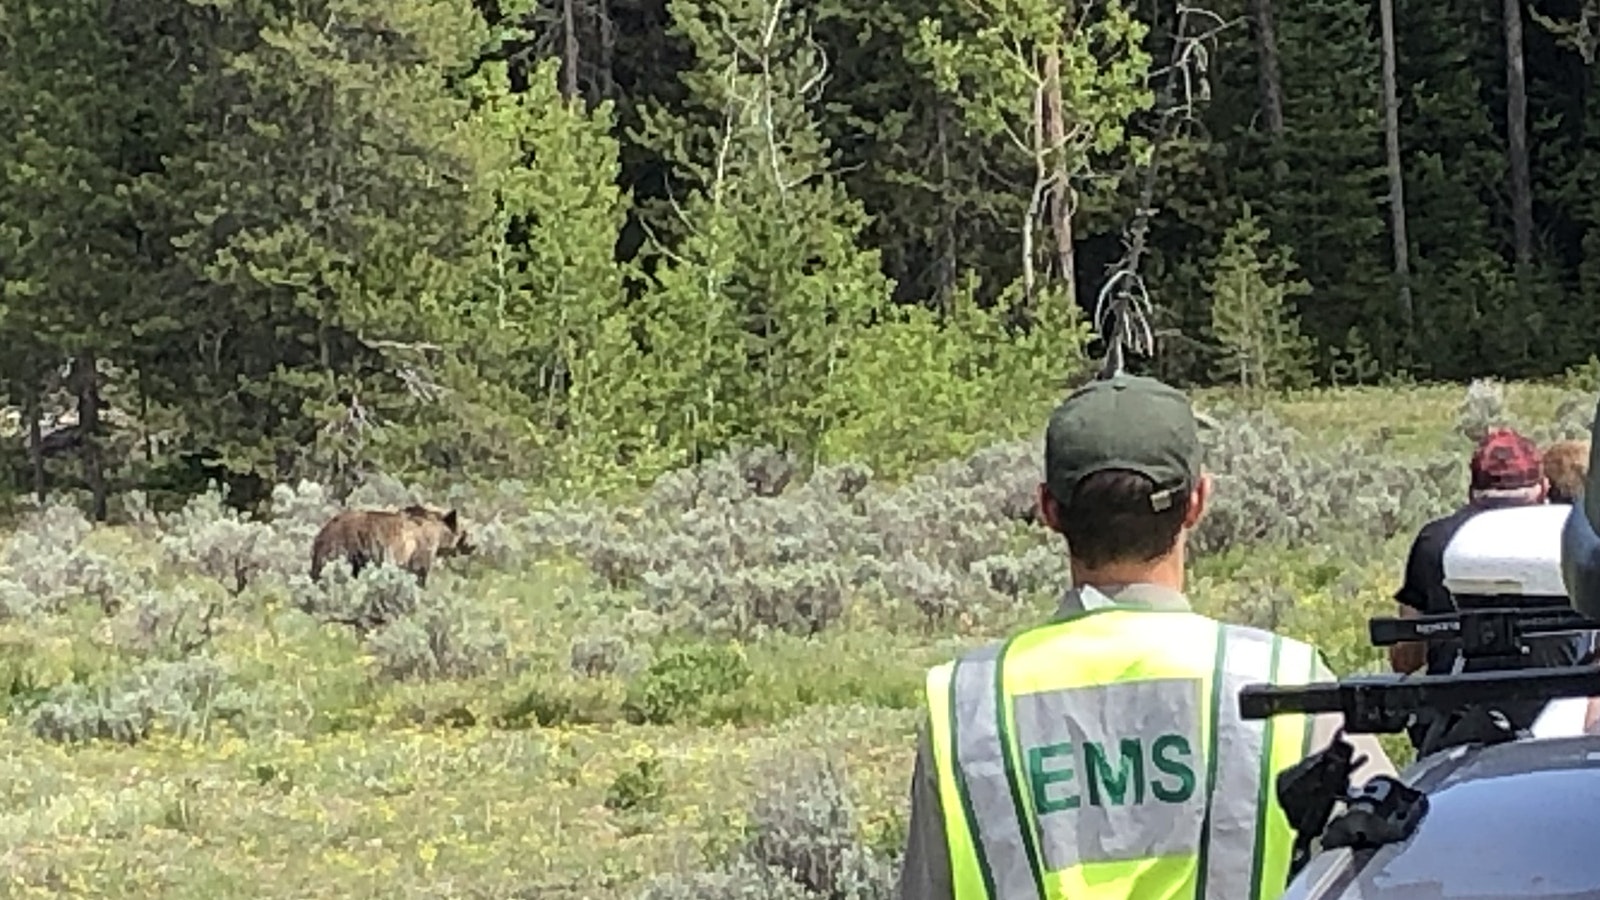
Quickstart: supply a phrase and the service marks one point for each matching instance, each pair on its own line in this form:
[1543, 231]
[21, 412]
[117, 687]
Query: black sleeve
[925, 873]
[1424, 579]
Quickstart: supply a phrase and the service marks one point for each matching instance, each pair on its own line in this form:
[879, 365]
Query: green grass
[531, 781]
[1417, 419]
[339, 789]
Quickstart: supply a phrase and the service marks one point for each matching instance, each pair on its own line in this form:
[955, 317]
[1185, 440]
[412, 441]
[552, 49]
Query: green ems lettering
[1041, 778]
[1171, 754]
[1115, 783]
[1111, 776]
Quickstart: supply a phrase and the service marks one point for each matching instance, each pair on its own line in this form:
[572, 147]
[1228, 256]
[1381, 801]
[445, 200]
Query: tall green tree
[942, 201]
[333, 216]
[1321, 186]
[1253, 286]
[760, 285]
[81, 122]
[555, 315]
[1453, 167]
[1056, 87]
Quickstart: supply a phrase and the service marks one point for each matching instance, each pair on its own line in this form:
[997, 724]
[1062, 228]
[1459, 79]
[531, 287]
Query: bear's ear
[450, 520]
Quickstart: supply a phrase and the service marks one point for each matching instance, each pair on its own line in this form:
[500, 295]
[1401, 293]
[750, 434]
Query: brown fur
[1566, 464]
[411, 538]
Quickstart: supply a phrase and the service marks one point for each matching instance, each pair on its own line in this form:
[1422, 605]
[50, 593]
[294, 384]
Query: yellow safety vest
[1102, 757]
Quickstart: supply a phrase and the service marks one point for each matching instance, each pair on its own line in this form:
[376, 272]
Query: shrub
[680, 681]
[299, 510]
[412, 633]
[214, 540]
[805, 825]
[138, 513]
[169, 624]
[637, 787]
[1269, 491]
[1573, 419]
[379, 595]
[384, 491]
[738, 545]
[46, 564]
[798, 599]
[176, 696]
[438, 638]
[1482, 409]
[607, 654]
[803, 842]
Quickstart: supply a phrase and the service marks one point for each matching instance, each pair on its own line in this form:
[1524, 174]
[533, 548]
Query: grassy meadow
[709, 691]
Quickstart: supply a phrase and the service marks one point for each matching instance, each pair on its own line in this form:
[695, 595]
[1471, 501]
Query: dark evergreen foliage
[555, 237]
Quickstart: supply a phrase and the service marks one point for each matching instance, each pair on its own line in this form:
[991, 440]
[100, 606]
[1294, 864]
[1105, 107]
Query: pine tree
[756, 300]
[941, 200]
[1321, 188]
[81, 126]
[331, 213]
[1452, 165]
[1253, 321]
[1021, 73]
[556, 288]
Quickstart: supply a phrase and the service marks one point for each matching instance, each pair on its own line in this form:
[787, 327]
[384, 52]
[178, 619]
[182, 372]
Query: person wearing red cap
[1506, 470]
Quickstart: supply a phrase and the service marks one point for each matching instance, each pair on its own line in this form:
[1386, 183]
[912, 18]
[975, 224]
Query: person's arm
[1406, 657]
[925, 874]
[1412, 597]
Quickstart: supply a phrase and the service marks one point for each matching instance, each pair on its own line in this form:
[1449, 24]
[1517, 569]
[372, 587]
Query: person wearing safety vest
[1101, 755]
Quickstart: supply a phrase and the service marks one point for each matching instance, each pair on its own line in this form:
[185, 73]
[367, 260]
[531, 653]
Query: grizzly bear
[411, 538]
[1566, 464]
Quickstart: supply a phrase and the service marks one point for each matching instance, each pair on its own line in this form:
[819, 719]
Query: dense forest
[258, 240]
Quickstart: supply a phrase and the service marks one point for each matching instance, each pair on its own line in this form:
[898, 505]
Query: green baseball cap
[1126, 422]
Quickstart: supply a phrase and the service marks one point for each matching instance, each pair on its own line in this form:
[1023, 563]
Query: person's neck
[1166, 572]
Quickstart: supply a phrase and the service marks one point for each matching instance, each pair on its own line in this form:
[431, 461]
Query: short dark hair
[1108, 519]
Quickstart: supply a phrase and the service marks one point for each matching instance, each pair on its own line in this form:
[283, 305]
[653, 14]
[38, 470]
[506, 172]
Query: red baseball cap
[1505, 460]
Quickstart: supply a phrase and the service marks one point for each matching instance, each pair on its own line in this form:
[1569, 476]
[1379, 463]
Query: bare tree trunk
[1517, 134]
[1060, 184]
[608, 49]
[144, 420]
[948, 241]
[1270, 80]
[1030, 218]
[569, 49]
[1397, 195]
[31, 407]
[87, 381]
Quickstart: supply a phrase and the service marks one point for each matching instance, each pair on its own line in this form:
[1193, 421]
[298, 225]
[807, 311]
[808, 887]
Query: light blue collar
[1084, 598]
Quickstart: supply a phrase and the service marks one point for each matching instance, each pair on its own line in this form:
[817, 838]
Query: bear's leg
[421, 562]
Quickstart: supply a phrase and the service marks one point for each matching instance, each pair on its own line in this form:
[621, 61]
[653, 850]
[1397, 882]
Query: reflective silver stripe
[1247, 659]
[980, 762]
[1236, 807]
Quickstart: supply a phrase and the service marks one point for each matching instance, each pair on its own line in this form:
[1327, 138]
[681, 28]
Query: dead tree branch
[1123, 307]
[1581, 35]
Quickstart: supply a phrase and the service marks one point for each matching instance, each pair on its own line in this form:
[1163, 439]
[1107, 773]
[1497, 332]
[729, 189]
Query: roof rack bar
[1483, 626]
[1383, 704]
